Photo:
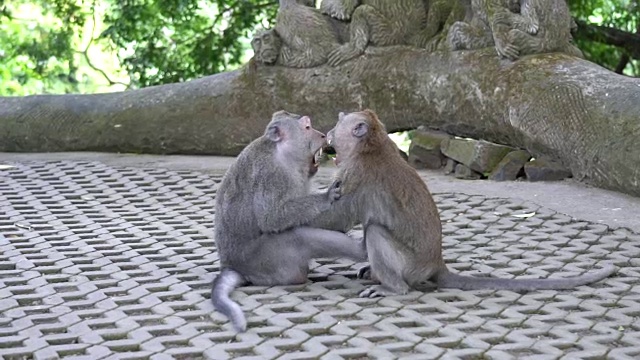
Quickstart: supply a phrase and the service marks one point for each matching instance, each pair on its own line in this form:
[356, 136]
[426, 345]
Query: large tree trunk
[551, 104]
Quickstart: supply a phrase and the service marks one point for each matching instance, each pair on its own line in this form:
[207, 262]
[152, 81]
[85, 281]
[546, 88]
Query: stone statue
[441, 14]
[376, 22]
[515, 28]
[538, 29]
[341, 30]
[303, 37]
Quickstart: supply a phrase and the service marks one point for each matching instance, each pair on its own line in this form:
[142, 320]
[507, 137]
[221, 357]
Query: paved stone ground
[109, 261]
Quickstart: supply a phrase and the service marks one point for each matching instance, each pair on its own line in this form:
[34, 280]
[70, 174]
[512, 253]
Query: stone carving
[303, 37]
[339, 9]
[516, 27]
[378, 23]
[543, 26]
[481, 31]
[341, 30]
[441, 15]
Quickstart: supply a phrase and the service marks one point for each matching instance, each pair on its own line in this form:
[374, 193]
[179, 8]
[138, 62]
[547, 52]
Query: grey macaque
[261, 207]
[402, 227]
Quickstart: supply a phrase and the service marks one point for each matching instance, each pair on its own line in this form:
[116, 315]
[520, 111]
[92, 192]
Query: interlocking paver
[98, 262]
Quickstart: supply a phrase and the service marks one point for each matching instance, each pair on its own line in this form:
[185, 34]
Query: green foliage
[619, 14]
[82, 46]
[176, 40]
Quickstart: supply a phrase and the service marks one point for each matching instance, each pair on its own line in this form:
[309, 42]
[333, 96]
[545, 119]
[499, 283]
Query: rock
[424, 151]
[464, 172]
[481, 156]
[510, 166]
[450, 167]
[543, 169]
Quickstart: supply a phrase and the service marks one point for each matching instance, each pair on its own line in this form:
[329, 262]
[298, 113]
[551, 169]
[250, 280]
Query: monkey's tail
[223, 285]
[447, 279]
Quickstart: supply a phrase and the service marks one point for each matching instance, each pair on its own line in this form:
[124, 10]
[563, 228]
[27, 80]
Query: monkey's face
[297, 141]
[350, 130]
[266, 46]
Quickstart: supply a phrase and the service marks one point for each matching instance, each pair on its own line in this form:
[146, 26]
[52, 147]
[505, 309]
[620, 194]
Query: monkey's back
[392, 194]
[235, 221]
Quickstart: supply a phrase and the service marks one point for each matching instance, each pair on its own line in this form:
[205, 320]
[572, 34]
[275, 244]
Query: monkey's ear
[340, 116]
[360, 130]
[274, 133]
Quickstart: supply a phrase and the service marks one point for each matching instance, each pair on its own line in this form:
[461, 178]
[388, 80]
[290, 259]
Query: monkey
[481, 31]
[376, 22]
[339, 9]
[262, 206]
[441, 15]
[267, 47]
[542, 26]
[303, 37]
[402, 227]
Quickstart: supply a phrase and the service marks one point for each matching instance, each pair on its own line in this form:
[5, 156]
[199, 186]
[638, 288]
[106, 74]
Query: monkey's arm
[436, 18]
[500, 26]
[339, 9]
[275, 215]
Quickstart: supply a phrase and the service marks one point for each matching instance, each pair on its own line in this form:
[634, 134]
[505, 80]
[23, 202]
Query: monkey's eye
[308, 127]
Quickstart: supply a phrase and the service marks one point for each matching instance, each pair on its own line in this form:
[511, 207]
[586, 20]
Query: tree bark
[551, 104]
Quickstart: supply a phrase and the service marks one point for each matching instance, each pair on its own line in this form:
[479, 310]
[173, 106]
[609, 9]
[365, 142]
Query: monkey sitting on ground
[262, 205]
[402, 227]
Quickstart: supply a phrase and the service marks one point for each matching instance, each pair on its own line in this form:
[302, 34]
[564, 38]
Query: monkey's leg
[436, 19]
[526, 44]
[387, 263]
[463, 36]
[360, 35]
[274, 259]
[321, 243]
[573, 50]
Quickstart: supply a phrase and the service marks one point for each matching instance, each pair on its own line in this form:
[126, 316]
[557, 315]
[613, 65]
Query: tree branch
[85, 54]
[611, 36]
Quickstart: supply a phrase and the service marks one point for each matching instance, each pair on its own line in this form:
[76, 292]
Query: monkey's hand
[507, 50]
[334, 192]
[340, 10]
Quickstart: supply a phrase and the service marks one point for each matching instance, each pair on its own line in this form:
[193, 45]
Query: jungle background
[78, 46]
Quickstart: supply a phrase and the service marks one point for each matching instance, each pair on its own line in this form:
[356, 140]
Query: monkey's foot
[364, 272]
[343, 54]
[376, 291]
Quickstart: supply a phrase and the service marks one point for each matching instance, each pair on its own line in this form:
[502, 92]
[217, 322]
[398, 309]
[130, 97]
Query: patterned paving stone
[99, 262]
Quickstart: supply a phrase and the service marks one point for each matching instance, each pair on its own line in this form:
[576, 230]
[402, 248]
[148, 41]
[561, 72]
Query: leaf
[525, 215]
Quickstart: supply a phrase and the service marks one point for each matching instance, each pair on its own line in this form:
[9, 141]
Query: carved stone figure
[481, 31]
[516, 27]
[267, 47]
[376, 22]
[542, 26]
[303, 37]
[441, 15]
[339, 9]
